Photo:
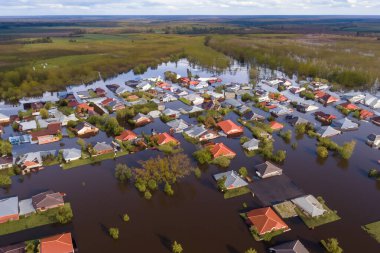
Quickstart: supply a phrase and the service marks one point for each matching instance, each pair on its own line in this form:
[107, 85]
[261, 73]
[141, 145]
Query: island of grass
[312, 222]
[286, 209]
[92, 160]
[38, 219]
[373, 229]
[236, 192]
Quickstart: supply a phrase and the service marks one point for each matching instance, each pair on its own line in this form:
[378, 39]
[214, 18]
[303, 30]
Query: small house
[47, 200]
[178, 125]
[324, 117]
[62, 243]
[4, 118]
[280, 111]
[233, 180]
[365, 114]
[252, 116]
[195, 99]
[274, 125]
[310, 205]
[328, 99]
[295, 120]
[267, 169]
[251, 145]
[304, 108]
[372, 101]
[219, 149]
[376, 120]
[289, 247]
[229, 127]
[27, 126]
[102, 148]
[349, 106]
[265, 220]
[171, 113]
[71, 154]
[85, 128]
[165, 138]
[9, 209]
[345, 124]
[142, 119]
[373, 140]
[327, 131]
[126, 135]
[196, 131]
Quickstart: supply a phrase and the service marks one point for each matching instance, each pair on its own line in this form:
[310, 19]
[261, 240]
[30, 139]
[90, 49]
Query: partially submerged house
[165, 138]
[142, 119]
[47, 135]
[289, 247]
[274, 125]
[295, 120]
[71, 154]
[267, 169]
[171, 113]
[9, 209]
[310, 205]
[178, 125]
[62, 243]
[373, 140]
[6, 162]
[219, 149]
[196, 131]
[371, 101]
[345, 124]
[229, 127]
[126, 135]
[324, 117]
[27, 126]
[47, 200]
[301, 107]
[233, 180]
[265, 220]
[280, 111]
[251, 145]
[327, 131]
[252, 116]
[85, 128]
[4, 118]
[102, 148]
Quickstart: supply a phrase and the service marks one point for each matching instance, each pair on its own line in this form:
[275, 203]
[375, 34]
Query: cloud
[172, 7]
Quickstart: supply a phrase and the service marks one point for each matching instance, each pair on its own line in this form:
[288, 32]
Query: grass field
[285, 209]
[32, 221]
[373, 229]
[93, 160]
[236, 192]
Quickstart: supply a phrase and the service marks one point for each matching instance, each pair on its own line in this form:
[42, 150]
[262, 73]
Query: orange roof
[163, 84]
[62, 243]
[84, 106]
[126, 135]
[193, 82]
[229, 127]
[30, 163]
[107, 101]
[319, 93]
[349, 106]
[275, 125]
[265, 220]
[132, 97]
[278, 97]
[165, 138]
[364, 114]
[219, 149]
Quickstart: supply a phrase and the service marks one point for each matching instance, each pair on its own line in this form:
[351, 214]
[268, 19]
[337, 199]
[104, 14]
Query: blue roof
[8, 206]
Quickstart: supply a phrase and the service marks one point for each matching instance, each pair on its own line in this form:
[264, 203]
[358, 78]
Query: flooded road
[197, 215]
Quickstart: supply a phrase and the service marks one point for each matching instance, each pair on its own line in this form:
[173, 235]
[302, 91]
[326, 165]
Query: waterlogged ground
[197, 215]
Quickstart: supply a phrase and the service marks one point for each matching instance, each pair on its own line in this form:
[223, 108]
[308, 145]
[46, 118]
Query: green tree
[322, 152]
[5, 148]
[177, 247]
[5, 180]
[243, 172]
[126, 218]
[123, 172]
[147, 195]
[332, 245]
[168, 189]
[347, 149]
[81, 143]
[114, 233]
[203, 155]
[250, 250]
[152, 184]
[198, 172]
[64, 214]
[221, 183]
[44, 113]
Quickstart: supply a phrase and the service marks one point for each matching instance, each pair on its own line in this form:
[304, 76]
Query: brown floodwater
[197, 215]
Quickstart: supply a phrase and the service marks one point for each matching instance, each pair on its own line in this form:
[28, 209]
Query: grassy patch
[32, 221]
[286, 209]
[92, 160]
[236, 192]
[185, 101]
[328, 217]
[373, 229]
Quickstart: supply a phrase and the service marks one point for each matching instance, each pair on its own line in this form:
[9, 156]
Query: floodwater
[197, 215]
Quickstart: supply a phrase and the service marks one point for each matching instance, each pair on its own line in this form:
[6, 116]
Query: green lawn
[328, 217]
[373, 229]
[236, 192]
[92, 160]
[35, 220]
[285, 209]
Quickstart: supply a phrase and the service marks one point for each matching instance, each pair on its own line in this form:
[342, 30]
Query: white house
[310, 205]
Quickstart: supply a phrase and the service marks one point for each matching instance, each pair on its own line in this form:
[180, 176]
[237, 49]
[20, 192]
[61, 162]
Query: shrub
[322, 152]
[347, 149]
[286, 135]
[122, 172]
[294, 145]
[177, 247]
[5, 180]
[203, 156]
[152, 184]
[221, 184]
[64, 214]
[243, 172]
[168, 189]
[198, 172]
[114, 233]
[250, 250]
[147, 195]
[332, 245]
[126, 218]
[221, 161]
[374, 173]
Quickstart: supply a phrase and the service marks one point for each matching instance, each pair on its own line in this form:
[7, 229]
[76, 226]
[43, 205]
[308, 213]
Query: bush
[243, 172]
[286, 135]
[147, 195]
[5, 180]
[322, 152]
[177, 247]
[221, 184]
[152, 184]
[168, 189]
[374, 173]
[126, 218]
[250, 250]
[64, 214]
[122, 172]
[347, 149]
[114, 233]
[221, 161]
[332, 245]
[198, 172]
[203, 156]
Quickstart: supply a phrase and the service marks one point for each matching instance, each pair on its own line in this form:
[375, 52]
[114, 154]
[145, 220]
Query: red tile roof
[365, 114]
[62, 243]
[126, 135]
[107, 101]
[229, 127]
[52, 129]
[276, 125]
[219, 149]
[349, 106]
[165, 138]
[265, 220]
[85, 107]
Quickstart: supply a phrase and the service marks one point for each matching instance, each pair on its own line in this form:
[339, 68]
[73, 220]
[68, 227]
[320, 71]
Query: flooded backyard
[197, 215]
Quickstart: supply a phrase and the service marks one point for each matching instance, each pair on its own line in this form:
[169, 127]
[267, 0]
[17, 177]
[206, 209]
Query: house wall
[43, 209]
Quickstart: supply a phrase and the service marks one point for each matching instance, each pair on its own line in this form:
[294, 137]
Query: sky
[189, 7]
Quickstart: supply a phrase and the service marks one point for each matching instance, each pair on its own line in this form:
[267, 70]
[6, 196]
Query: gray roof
[14, 248]
[345, 124]
[139, 116]
[233, 180]
[47, 199]
[310, 205]
[281, 110]
[102, 146]
[327, 131]
[251, 144]
[232, 102]
[290, 247]
[178, 124]
[297, 120]
[268, 169]
[3, 117]
[169, 112]
[71, 153]
[196, 131]
[8, 206]
[26, 207]
[28, 125]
